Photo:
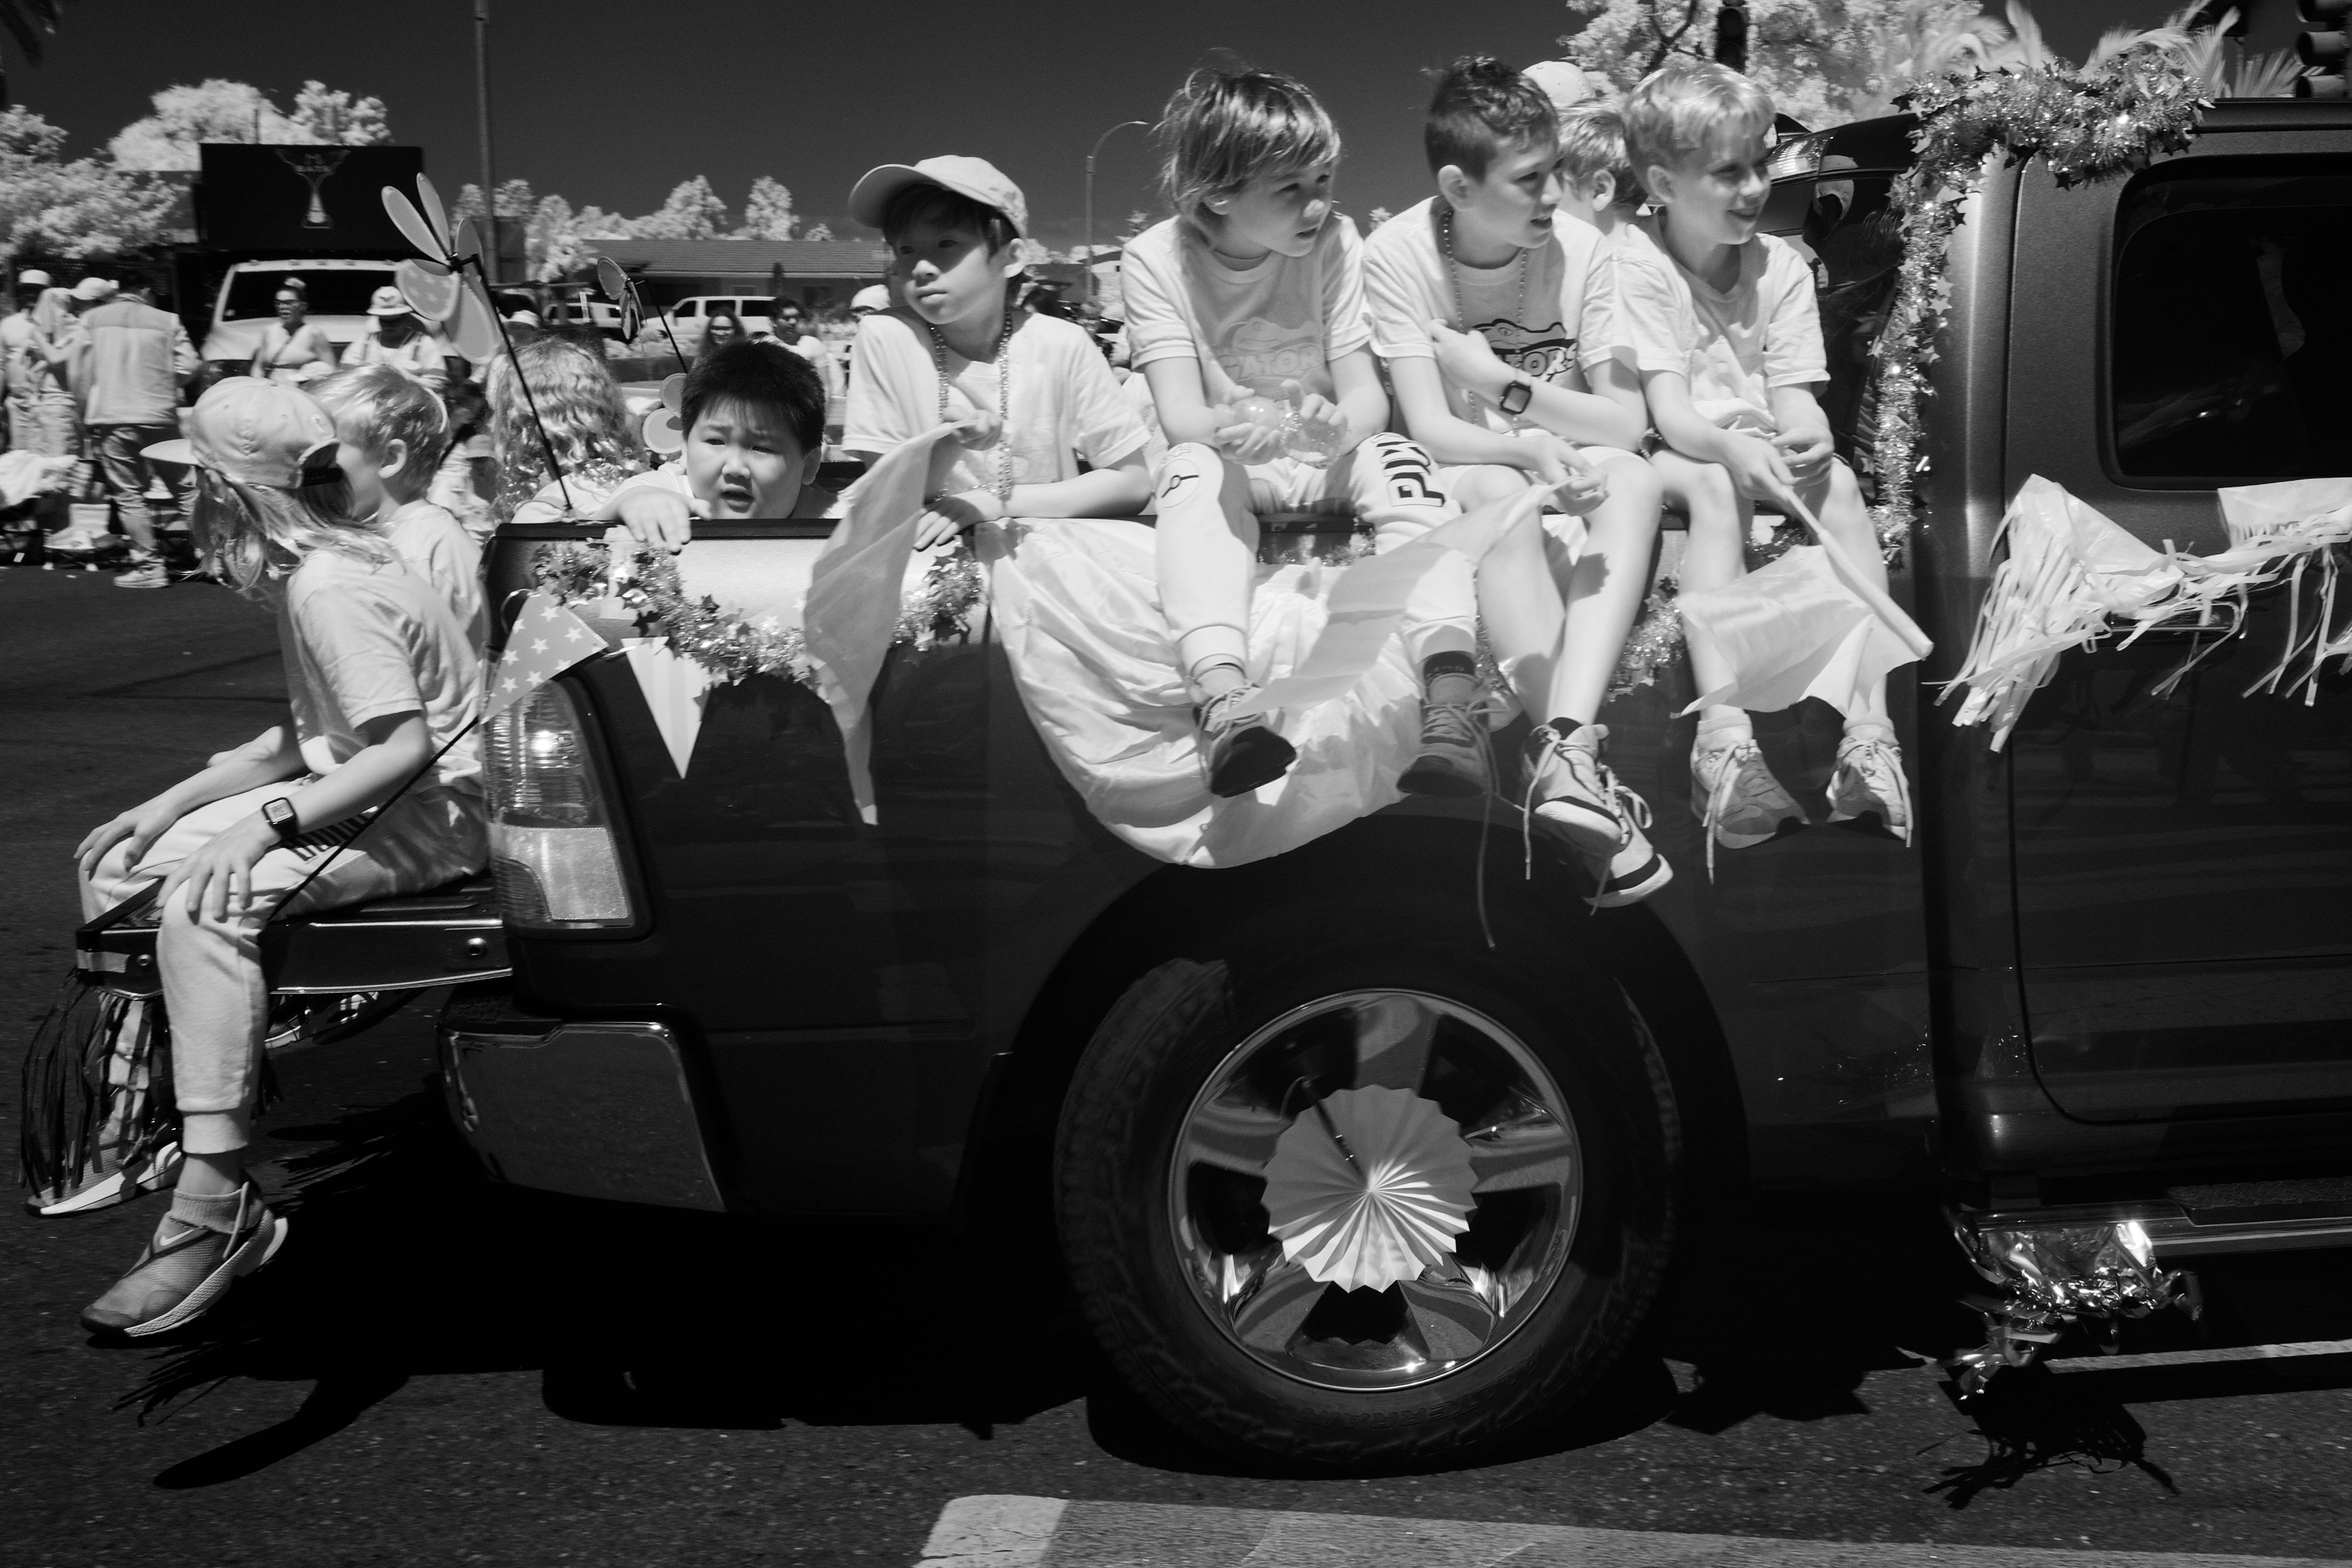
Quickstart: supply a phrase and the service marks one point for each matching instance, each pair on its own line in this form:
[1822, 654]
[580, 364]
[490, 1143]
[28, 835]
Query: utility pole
[482, 114]
[1087, 267]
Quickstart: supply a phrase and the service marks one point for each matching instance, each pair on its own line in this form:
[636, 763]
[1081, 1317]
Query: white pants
[213, 991]
[1208, 536]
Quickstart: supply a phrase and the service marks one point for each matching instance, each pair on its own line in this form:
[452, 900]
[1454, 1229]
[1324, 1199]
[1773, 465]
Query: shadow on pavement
[403, 1260]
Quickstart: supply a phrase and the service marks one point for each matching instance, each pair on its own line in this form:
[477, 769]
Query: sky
[613, 103]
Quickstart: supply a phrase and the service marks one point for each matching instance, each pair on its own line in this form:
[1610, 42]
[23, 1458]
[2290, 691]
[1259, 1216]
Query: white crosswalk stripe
[1050, 1532]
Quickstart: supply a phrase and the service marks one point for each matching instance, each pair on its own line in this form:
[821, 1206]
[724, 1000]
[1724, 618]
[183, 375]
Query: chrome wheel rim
[1526, 1198]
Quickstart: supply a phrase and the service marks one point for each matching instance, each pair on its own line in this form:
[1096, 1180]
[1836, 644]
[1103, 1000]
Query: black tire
[1136, 1085]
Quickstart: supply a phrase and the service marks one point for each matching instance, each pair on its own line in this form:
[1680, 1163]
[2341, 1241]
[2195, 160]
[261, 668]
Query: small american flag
[547, 639]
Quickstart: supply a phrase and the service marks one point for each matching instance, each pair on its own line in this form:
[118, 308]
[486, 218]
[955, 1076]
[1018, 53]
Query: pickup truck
[2109, 983]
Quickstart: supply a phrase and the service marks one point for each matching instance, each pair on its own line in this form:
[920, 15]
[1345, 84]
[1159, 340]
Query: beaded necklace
[1454, 281]
[1002, 360]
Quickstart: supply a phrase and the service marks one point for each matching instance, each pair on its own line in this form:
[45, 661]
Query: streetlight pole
[1089, 265]
[482, 115]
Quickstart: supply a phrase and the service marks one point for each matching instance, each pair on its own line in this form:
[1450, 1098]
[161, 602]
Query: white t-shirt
[1065, 404]
[435, 546]
[1532, 310]
[362, 641]
[1734, 346]
[1250, 327]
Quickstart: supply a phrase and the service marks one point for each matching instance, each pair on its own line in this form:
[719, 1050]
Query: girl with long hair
[586, 425]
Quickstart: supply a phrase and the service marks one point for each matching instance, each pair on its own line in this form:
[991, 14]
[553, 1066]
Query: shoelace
[1604, 784]
[1858, 759]
[1215, 713]
[1734, 760]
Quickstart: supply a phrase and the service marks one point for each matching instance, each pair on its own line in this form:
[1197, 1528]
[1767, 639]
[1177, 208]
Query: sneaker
[114, 1181]
[148, 573]
[78, 541]
[1244, 753]
[1869, 779]
[1736, 796]
[1576, 796]
[186, 1268]
[1453, 759]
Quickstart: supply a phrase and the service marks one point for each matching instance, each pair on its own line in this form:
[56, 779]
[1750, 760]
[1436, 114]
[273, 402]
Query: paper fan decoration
[665, 427]
[1369, 1187]
[428, 285]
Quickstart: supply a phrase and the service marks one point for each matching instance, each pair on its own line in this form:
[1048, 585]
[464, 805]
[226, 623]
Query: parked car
[691, 314]
[247, 304]
[2107, 983]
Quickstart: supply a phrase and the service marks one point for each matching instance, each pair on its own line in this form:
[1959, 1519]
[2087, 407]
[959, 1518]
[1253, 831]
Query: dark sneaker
[186, 1268]
[1453, 759]
[115, 1181]
[1242, 751]
[1575, 796]
[1869, 781]
[1736, 796]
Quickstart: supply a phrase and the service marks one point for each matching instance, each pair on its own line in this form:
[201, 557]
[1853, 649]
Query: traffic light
[1731, 35]
[2322, 50]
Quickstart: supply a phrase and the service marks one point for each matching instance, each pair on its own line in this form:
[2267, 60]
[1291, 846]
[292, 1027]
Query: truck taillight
[552, 853]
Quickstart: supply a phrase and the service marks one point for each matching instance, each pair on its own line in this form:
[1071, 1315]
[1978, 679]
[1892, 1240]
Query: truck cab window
[2232, 326]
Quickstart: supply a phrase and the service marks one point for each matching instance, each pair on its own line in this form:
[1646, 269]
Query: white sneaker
[1869, 779]
[1736, 796]
[1575, 795]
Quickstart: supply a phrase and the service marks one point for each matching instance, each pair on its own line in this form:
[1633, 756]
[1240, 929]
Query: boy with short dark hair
[1032, 395]
[753, 415]
[1480, 306]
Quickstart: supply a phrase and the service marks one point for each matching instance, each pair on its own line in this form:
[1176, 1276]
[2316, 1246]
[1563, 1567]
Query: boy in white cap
[384, 693]
[1031, 393]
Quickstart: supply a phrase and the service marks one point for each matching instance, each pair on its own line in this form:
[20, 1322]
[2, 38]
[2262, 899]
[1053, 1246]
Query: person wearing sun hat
[386, 691]
[401, 339]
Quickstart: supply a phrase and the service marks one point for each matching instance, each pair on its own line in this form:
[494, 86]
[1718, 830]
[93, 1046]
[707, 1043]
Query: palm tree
[29, 22]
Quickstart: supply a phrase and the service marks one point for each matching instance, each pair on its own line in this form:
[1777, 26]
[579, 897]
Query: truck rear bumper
[598, 1108]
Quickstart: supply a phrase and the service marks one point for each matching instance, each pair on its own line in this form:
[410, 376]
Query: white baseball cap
[257, 432]
[974, 177]
[872, 296]
[33, 278]
[93, 289]
[1562, 81]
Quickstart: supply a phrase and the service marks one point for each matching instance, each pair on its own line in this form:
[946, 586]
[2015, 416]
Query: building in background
[819, 273]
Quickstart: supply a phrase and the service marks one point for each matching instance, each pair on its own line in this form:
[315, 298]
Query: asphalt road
[438, 1371]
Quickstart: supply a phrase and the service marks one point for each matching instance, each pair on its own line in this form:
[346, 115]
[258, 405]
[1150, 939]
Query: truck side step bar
[2203, 1222]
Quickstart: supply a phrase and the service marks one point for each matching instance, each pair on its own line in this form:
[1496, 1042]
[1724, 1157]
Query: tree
[218, 109]
[337, 118]
[819, 233]
[693, 210]
[551, 242]
[1823, 61]
[72, 210]
[29, 23]
[767, 212]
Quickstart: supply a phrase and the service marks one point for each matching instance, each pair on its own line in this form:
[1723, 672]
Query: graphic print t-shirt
[1251, 328]
[1533, 311]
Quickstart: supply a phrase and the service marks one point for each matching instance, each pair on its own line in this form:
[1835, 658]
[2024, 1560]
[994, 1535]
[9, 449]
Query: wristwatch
[1516, 397]
[280, 815]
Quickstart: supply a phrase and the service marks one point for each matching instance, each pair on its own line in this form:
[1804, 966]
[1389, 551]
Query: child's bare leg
[1206, 547]
[1869, 779]
[1604, 588]
[1836, 500]
[1713, 557]
[1519, 601]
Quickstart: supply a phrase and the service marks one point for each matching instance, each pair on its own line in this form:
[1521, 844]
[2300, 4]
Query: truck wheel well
[1171, 912]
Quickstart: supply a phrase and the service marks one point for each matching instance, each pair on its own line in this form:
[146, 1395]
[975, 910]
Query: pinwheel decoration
[441, 289]
[1369, 1187]
[622, 290]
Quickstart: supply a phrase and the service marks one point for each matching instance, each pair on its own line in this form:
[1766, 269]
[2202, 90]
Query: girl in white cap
[384, 695]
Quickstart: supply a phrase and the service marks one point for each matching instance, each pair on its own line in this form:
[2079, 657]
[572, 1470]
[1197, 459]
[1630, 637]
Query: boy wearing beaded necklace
[1254, 292]
[1030, 394]
[1480, 307]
